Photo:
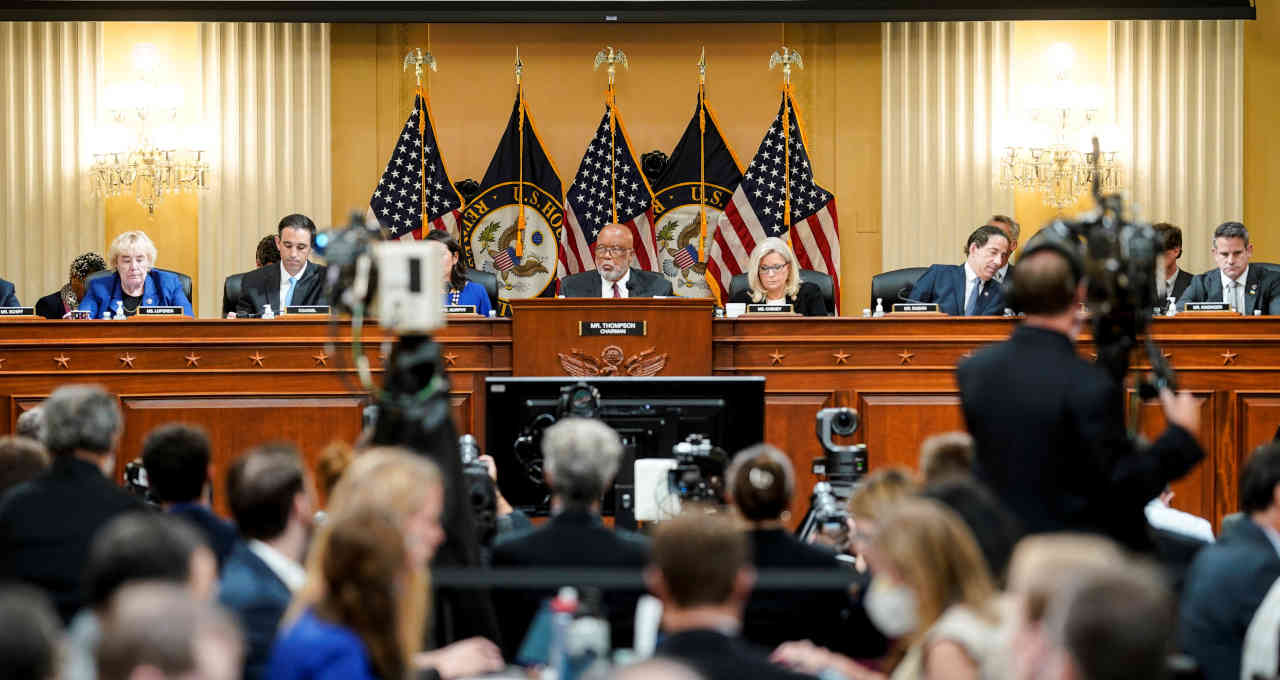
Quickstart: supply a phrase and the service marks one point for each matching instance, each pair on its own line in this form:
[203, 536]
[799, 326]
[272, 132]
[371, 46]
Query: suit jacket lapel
[958, 285]
[150, 293]
[310, 279]
[1251, 290]
[273, 287]
[1213, 287]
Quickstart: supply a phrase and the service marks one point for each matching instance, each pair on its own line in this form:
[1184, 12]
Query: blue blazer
[8, 298]
[472, 294]
[258, 598]
[944, 284]
[160, 289]
[314, 649]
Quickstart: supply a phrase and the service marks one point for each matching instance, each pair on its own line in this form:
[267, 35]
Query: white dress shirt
[284, 282]
[1236, 302]
[970, 280]
[1165, 287]
[291, 573]
[1002, 272]
[606, 286]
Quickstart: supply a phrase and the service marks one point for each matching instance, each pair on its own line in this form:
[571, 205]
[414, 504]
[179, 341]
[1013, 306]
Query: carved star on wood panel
[257, 358]
[842, 357]
[905, 357]
[63, 360]
[193, 360]
[450, 359]
[321, 359]
[2, 360]
[776, 358]
[126, 360]
[1228, 358]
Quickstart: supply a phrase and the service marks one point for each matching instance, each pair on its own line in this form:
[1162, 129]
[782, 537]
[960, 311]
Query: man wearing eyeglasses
[613, 276]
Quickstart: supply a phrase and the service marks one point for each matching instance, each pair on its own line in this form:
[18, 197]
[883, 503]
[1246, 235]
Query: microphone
[906, 290]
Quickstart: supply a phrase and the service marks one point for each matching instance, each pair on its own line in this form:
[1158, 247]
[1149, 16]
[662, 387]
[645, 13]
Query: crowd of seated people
[937, 581]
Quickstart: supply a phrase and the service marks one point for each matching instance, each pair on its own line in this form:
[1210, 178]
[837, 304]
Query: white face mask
[892, 608]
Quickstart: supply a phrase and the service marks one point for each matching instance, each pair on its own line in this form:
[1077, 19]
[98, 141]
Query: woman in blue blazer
[136, 283]
[457, 289]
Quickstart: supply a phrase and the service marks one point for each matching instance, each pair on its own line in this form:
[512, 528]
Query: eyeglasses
[612, 251]
[773, 269]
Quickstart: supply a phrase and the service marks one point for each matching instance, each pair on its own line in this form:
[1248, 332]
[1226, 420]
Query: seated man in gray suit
[613, 275]
[1234, 282]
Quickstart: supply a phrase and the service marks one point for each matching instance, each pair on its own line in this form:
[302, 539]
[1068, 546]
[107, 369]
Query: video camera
[699, 472]
[840, 467]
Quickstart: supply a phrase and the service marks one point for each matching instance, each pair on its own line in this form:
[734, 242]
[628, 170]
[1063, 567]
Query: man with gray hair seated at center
[580, 460]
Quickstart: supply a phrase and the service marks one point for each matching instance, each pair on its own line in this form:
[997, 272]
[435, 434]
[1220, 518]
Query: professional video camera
[136, 482]
[841, 466]
[699, 472]
[1119, 257]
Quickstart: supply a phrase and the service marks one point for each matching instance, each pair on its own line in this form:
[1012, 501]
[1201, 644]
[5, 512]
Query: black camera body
[841, 463]
[698, 476]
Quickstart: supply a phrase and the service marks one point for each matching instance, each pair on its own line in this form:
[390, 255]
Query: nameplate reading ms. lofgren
[160, 311]
[595, 328]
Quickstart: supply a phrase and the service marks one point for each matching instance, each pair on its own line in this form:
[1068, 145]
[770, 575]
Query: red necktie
[616, 292]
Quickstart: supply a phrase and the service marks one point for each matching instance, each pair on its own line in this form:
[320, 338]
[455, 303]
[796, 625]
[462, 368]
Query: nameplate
[80, 314]
[17, 311]
[307, 309]
[459, 309]
[597, 328]
[899, 307]
[160, 311]
[764, 308]
[1208, 307]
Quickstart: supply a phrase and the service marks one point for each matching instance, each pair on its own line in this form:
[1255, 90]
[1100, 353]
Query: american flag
[400, 199]
[590, 200]
[758, 207]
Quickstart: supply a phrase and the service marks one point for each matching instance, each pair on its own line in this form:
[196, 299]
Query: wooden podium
[590, 337]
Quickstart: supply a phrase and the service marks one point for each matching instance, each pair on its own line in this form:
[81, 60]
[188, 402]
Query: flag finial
[612, 57]
[519, 65]
[786, 56]
[419, 59]
[702, 66]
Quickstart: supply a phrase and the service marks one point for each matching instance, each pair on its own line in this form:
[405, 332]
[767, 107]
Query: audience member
[267, 491]
[46, 524]
[177, 460]
[993, 527]
[157, 631]
[1091, 638]
[759, 484]
[946, 455]
[31, 423]
[32, 634]
[333, 461]
[701, 571]
[21, 460]
[135, 546]
[1162, 515]
[580, 458]
[1228, 579]
[656, 669]
[878, 492]
[931, 592]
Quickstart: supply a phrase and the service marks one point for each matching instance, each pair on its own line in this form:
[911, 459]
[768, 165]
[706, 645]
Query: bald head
[613, 251]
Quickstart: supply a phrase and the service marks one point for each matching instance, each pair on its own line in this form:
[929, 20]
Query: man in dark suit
[1049, 427]
[1247, 289]
[1012, 231]
[177, 460]
[1171, 280]
[701, 570]
[8, 298]
[292, 281]
[968, 289]
[613, 276]
[1229, 578]
[268, 494]
[47, 524]
[581, 458]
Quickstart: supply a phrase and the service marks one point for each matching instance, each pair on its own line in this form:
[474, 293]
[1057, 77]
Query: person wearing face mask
[773, 277]
[58, 305]
[931, 592]
[614, 277]
[969, 289]
[137, 283]
[457, 289]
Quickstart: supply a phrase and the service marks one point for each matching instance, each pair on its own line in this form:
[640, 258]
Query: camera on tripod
[841, 466]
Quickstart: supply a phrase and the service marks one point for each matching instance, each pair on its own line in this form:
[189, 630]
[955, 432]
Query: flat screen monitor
[650, 414]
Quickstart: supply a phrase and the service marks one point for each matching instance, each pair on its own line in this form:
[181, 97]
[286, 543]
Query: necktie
[617, 292]
[971, 305]
[288, 294]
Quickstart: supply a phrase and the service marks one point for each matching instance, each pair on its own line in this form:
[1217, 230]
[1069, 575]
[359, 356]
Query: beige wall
[1261, 124]
[472, 94]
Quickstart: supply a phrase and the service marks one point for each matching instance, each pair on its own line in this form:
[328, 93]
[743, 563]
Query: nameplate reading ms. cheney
[596, 328]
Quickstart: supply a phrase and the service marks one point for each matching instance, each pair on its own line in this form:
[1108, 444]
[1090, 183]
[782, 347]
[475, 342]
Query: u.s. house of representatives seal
[676, 212]
[489, 236]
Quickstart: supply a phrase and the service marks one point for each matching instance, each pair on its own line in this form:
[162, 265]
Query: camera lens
[845, 422]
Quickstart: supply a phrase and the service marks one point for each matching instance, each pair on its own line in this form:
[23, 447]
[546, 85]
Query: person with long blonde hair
[773, 277]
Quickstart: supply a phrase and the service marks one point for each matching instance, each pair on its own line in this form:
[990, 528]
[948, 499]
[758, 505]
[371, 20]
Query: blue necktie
[288, 294]
[971, 305]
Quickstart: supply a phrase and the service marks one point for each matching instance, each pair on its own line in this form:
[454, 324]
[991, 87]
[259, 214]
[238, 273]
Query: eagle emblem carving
[612, 362]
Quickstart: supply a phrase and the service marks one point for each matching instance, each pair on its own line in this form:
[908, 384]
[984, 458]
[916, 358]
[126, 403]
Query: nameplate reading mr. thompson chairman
[596, 328]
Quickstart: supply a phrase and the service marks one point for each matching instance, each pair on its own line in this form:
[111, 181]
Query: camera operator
[761, 483]
[1049, 426]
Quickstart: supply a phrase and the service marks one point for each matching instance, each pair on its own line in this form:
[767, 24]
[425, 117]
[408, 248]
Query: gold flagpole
[786, 57]
[520, 156]
[702, 154]
[612, 57]
[419, 59]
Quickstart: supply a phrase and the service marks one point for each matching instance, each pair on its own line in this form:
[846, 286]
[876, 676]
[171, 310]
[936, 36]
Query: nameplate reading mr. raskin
[307, 309]
[160, 311]
[915, 307]
[1208, 307]
[769, 309]
[593, 328]
[17, 311]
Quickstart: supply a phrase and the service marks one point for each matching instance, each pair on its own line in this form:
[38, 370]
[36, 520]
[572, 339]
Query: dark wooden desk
[250, 381]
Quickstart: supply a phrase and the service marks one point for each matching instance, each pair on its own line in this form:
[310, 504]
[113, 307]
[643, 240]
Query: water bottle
[563, 607]
[267, 313]
[119, 310]
[879, 308]
[1172, 309]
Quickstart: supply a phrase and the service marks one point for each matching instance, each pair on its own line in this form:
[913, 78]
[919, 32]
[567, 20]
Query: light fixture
[139, 153]
[1051, 152]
